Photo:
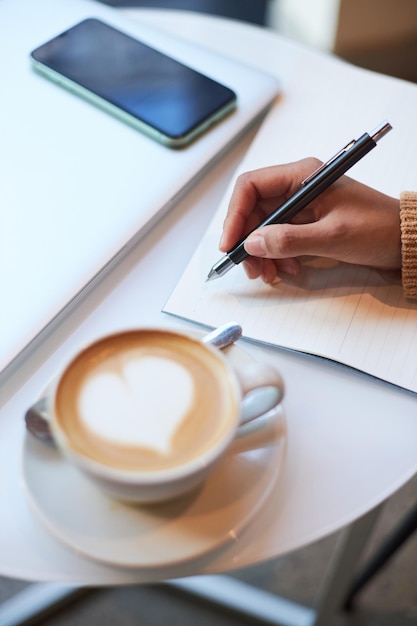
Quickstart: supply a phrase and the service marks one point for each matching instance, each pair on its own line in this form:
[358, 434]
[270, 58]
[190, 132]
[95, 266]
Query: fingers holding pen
[257, 194]
[308, 209]
[353, 224]
[274, 250]
[283, 241]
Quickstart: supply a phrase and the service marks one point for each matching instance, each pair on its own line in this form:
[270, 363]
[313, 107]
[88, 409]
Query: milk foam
[142, 404]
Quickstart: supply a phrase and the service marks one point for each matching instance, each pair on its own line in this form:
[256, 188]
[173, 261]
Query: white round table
[350, 439]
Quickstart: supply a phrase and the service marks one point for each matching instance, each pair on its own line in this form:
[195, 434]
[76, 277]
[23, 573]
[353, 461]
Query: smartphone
[169, 101]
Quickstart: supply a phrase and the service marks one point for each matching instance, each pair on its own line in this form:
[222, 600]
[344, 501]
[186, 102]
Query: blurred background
[377, 34]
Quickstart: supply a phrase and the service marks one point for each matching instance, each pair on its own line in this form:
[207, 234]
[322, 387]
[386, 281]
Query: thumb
[282, 241]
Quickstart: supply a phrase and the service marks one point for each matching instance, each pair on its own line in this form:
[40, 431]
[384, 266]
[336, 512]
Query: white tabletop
[351, 441]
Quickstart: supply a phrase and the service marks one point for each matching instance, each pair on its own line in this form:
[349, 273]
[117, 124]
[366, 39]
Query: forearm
[408, 217]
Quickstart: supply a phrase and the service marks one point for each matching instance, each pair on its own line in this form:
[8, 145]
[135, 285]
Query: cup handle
[262, 389]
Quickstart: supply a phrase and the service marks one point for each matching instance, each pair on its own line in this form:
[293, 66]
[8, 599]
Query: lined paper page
[346, 313]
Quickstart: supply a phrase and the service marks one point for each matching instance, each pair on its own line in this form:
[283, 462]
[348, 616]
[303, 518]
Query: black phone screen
[154, 88]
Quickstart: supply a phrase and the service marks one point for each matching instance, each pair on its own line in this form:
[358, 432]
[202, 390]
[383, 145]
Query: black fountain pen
[310, 188]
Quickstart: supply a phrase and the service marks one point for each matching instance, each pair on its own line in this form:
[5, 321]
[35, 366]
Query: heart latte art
[144, 400]
[127, 406]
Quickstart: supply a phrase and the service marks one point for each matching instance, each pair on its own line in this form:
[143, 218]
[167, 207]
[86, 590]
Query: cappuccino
[145, 400]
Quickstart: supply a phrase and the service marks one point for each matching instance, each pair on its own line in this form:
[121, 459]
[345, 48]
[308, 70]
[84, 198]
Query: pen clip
[329, 162]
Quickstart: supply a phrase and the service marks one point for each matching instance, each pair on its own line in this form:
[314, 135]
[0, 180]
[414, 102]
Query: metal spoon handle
[223, 336]
[36, 419]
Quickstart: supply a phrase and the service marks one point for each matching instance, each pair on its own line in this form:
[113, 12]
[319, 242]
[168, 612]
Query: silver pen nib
[220, 268]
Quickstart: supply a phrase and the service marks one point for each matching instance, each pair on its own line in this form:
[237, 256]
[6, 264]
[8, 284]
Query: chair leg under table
[36, 602]
[400, 534]
[340, 573]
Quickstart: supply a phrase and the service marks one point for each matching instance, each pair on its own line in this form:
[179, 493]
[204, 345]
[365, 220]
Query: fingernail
[221, 242]
[255, 245]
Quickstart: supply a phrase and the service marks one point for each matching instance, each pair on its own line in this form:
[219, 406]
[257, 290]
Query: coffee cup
[148, 413]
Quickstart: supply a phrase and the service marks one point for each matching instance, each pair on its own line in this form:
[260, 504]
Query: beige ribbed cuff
[408, 217]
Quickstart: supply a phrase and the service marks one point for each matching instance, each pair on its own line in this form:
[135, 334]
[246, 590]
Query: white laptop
[78, 188]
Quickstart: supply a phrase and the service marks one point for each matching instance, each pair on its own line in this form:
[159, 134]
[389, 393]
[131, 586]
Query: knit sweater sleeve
[408, 217]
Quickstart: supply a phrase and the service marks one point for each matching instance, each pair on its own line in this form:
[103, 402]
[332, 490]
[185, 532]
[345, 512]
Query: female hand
[348, 222]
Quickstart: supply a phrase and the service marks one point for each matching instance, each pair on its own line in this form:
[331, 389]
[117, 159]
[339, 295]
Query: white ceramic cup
[147, 413]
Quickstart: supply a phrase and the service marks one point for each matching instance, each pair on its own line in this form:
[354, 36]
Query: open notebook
[345, 313]
[78, 188]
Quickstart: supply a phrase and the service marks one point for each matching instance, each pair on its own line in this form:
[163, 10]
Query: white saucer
[78, 514]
